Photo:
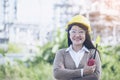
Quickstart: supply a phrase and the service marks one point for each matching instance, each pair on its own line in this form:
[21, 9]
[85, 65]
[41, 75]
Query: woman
[72, 63]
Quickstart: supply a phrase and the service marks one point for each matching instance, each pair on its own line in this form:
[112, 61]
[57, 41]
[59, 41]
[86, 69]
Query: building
[103, 15]
[8, 16]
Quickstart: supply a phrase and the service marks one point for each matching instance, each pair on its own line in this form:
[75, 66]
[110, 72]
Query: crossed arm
[60, 72]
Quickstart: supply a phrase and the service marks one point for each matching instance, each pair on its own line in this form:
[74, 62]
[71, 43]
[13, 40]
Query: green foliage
[110, 62]
[2, 51]
[2, 72]
[47, 51]
[14, 48]
[41, 67]
[110, 56]
[41, 71]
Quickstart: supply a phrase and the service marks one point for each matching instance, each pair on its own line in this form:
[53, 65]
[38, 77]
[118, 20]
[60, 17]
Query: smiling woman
[71, 63]
[77, 35]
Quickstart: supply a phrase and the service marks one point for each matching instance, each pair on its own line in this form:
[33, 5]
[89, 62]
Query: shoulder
[92, 51]
[61, 51]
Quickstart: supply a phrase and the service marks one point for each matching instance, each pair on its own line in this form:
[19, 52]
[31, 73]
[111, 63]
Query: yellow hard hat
[80, 19]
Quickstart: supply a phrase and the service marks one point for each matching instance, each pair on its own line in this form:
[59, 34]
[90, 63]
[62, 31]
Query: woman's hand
[88, 69]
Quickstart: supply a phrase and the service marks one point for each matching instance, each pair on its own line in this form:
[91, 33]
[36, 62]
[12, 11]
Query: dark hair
[88, 43]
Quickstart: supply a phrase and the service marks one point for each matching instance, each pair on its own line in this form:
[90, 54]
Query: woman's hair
[88, 43]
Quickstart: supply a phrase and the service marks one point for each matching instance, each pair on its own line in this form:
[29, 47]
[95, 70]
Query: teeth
[78, 39]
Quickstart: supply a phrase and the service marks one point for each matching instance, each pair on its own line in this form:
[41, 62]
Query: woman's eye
[73, 31]
[81, 32]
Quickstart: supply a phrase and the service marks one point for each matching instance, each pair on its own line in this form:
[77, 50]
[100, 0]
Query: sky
[35, 11]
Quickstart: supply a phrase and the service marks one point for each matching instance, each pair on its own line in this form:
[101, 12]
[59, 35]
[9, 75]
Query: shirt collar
[83, 48]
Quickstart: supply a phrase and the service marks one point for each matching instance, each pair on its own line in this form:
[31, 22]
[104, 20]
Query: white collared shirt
[77, 56]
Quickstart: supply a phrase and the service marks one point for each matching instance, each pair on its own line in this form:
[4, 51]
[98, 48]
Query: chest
[70, 64]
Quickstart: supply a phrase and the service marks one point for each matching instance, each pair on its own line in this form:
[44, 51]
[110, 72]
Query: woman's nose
[77, 34]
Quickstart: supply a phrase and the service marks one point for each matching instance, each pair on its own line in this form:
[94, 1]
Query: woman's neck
[76, 48]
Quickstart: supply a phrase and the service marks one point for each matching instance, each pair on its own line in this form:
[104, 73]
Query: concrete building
[103, 15]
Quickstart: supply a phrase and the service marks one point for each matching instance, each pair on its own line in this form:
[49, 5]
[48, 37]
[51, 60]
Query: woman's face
[77, 35]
